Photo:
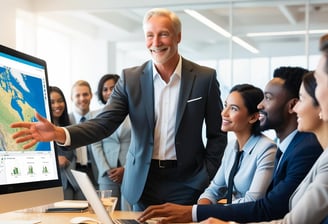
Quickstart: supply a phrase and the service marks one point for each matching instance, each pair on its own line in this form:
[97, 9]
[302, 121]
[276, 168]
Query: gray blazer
[199, 101]
[309, 203]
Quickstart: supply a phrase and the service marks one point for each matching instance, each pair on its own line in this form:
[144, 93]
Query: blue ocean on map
[31, 93]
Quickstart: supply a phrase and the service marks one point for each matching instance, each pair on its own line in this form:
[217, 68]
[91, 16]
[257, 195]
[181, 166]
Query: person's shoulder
[263, 144]
[306, 137]
[95, 112]
[137, 69]
[72, 118]
[265, 141]
[193, 65]
[262, 137]
[306, 142]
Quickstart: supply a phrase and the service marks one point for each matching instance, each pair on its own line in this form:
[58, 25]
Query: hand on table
[168, 213]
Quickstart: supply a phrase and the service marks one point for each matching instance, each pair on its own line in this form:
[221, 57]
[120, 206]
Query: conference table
[37, 215]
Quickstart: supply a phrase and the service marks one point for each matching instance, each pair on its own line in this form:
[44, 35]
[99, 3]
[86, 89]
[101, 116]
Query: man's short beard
[265, 126]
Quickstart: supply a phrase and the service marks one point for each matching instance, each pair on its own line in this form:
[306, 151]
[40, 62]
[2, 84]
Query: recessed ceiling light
[220, 30]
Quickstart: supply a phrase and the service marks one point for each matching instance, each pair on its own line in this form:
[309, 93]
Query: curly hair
[293, 78]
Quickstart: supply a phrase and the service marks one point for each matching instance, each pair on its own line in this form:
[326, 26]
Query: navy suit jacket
[133, 95]
[296, 162]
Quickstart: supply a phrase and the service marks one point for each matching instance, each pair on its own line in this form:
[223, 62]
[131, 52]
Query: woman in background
[110, 153]
[66, 157]
[256, 164]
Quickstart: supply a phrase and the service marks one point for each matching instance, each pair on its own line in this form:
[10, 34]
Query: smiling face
[107, 89]
[321, 91]
[81, 97]
[307, 114]
[161, 39]
[235, 116]
[57, 104]
[273, 108]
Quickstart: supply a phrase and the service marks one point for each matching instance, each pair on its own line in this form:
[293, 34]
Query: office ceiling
[120, 21]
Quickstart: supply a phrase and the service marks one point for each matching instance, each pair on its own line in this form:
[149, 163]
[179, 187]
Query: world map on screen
[20, 96]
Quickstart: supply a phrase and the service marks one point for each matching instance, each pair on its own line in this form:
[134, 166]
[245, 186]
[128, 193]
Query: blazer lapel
[147, 93]
[187, 80]
[289, 149]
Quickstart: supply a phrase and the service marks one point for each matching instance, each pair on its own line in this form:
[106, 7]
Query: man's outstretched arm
[34, 132]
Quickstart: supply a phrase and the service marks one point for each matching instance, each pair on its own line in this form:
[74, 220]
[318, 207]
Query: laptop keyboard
[126, 221]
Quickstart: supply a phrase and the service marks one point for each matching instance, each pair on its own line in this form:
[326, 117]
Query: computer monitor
[30, 177]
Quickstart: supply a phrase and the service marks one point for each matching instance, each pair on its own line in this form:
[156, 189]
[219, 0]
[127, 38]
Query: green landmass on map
[9, 115]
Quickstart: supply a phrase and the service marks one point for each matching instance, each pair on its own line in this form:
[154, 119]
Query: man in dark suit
[299, 152]
[167, 99]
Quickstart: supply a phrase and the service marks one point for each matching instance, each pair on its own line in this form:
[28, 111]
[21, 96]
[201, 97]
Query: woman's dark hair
[323, 44]
[63, 120]
[310, 84]
[252, 96]
[101, 83]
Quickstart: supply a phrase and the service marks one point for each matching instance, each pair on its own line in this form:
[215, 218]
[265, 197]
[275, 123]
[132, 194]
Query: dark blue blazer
[325, 221]
[295, 163]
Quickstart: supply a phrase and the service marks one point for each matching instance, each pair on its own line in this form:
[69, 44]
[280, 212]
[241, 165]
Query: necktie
[83, 119]
[232, 175]
[82, 152]
[276, 161]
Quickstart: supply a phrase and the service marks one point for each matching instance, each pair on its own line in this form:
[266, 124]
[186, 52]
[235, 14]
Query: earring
[320, 116]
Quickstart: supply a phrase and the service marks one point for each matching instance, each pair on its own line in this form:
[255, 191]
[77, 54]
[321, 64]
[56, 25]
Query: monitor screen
[27, 177]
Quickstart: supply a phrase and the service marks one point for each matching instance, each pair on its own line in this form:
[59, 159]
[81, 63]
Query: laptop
[90, 193]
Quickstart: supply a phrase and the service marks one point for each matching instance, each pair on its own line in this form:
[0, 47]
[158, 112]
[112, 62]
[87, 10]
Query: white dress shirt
[284, 145]
[81, 152]
[166, 96]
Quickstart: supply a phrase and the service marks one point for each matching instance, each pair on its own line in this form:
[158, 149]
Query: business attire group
[295, 163]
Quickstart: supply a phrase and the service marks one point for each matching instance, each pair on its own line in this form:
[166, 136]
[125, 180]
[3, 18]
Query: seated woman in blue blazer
[253, 170]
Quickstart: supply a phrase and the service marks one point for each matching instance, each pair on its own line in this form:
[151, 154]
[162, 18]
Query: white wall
[70, 56]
